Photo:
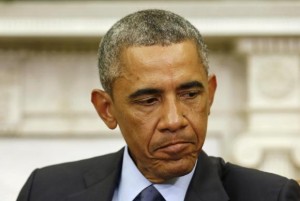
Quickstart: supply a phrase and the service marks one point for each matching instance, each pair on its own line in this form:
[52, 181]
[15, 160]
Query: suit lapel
[101, 181]
[206, 184]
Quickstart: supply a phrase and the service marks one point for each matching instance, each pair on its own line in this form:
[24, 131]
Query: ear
[212, 86]
[104, 107]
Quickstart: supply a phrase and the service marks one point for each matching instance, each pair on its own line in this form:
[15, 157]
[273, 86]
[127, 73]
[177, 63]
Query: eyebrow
[146, 91]
[153, 91]
[189, 85]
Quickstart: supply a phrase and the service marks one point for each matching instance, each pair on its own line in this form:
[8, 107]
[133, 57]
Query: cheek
[197, 116]
[197, 110]
[137, 129]
[148, 118]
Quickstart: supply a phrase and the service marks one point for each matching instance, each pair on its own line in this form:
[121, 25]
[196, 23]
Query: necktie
[149, 194]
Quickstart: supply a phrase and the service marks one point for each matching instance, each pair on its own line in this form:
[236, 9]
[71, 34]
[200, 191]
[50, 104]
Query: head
[144, 28]
[154, 71]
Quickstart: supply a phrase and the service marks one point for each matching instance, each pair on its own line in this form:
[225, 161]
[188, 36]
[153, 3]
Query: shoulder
[105, 162]
[53, 182]
[250, 184]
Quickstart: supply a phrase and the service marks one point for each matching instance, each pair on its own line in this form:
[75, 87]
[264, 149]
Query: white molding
[95, 18]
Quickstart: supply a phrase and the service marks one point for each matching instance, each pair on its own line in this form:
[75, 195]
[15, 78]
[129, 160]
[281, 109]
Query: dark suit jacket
[95, 180]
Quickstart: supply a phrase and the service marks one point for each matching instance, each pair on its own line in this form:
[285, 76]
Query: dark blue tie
[149, 194]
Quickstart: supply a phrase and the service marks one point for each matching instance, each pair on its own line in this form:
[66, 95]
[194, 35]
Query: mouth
[174, 148]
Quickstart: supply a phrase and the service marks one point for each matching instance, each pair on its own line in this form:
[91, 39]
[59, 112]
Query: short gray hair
[144, 28]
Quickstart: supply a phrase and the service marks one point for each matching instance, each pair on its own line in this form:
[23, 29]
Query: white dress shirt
[132, 182]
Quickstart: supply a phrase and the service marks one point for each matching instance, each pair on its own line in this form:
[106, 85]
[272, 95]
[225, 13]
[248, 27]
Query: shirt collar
[132, 182]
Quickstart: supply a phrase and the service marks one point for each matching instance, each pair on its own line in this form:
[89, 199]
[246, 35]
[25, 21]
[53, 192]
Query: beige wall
[48, 55]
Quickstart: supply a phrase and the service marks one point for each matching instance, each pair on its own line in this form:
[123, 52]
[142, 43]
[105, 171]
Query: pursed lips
[174, 147]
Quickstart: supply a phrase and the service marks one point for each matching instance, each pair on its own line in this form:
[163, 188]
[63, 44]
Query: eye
[147, 101]
[190, 94]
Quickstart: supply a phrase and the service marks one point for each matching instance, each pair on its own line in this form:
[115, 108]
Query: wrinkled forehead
[172, 59]
[142, 50]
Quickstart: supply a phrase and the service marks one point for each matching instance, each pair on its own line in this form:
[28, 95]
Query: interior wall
[49, 67]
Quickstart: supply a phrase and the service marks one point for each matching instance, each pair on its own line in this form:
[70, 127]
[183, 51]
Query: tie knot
[149, 194]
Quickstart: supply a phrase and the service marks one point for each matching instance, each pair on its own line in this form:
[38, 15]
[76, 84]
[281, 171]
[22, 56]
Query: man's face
[161, 103]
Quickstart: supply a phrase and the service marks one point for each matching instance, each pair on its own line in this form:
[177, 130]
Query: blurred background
[48, 67]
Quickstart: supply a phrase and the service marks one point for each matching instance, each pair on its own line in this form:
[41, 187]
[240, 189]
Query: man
[154, 71]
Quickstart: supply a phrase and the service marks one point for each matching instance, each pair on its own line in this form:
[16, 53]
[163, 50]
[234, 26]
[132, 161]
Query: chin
[178, 168]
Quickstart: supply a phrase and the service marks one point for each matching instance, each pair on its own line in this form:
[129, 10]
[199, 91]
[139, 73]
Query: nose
[172, 117]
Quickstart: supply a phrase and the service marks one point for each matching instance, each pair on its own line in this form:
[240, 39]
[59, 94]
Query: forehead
[155, 65]
[149, 57]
